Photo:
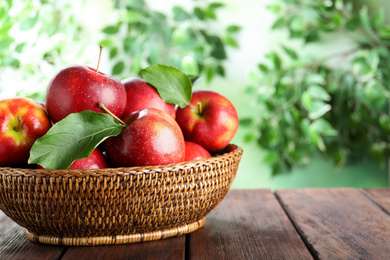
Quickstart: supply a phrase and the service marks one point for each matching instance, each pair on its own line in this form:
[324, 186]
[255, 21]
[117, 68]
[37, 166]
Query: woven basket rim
[230, 149]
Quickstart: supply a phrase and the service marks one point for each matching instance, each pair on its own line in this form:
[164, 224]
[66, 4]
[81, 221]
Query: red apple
[22, 121]
[95, 161]
[152, 137]
[141, 95]
[210, 121]
[77, 88]
[194, 152]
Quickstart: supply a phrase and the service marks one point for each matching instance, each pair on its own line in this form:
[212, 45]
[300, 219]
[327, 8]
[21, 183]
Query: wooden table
[319, 223]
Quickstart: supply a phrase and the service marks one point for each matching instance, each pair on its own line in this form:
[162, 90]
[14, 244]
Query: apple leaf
[173, 85]
[195, 79]
[73, 138]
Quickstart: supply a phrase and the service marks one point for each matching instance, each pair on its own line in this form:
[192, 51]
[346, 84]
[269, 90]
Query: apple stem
[19, 123]
[200, 109]
[100, 55]
[102, 106]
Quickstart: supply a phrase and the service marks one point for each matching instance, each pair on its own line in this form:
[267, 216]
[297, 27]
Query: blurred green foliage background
[309, 78]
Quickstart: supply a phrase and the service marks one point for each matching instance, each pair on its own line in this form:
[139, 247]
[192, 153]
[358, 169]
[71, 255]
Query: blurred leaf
[28, 23]
[315, 79]
[323, 127]
[210, 72]
[279, 23]
[111, 29]
[318, 109]
[297, 24]
[199, 13]
[249, 137]
[233, 28]
[364, 18]
[276, 8]
[118, 68]
[378, 19]
[5, 43]
[293, 55]
[317, 139]
[277, 62]
[195, 79]
[271, 157]
[113, 52]
[105, 42]
[318, 92]
[215, 5]
[246, 121]
[353, 23]
[312, 36]
[179, 14]
[231, 41]
[132, 16]
[19, 47]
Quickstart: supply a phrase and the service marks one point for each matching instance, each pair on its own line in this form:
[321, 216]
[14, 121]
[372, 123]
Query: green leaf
[263, 68]
[323, 127]
[118, 68]
[315, 79]
[215, 5]
[113, 52]
[365, 18]
[28, 23]
[318, 92]
[233, 28]
[280, 22]
[173, 85]
[73, 138]
[293, 55]
[378, 19]
[5, 43]
[312, 36]
[231, 41]
[105, 42]
[276, 8]
[199, 13]
[179, 14]
[111, 29]
[133, 16]
[246, 121]
[318, 109]
[317, 139]
[210, 72]
[277, 62]
[353, 23]
[195, 79]
[297, 24]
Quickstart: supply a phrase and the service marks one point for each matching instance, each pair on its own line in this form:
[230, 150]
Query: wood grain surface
[381, 197]
[170, 248]
[338, 223]
[247, 225]
[15, 245]
[319, 223]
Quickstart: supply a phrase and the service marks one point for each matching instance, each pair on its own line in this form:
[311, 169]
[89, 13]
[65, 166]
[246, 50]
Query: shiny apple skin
[195, 152]
[78, 88]
[95, 161]
[141, 95]
[152, 137]
[22, 121]
[215, 126]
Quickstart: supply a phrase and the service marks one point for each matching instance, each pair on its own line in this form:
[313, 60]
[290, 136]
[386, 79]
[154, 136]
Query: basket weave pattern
[116, 201]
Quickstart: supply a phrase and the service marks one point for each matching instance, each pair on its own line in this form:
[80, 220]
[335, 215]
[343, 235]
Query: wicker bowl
[116, 205]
